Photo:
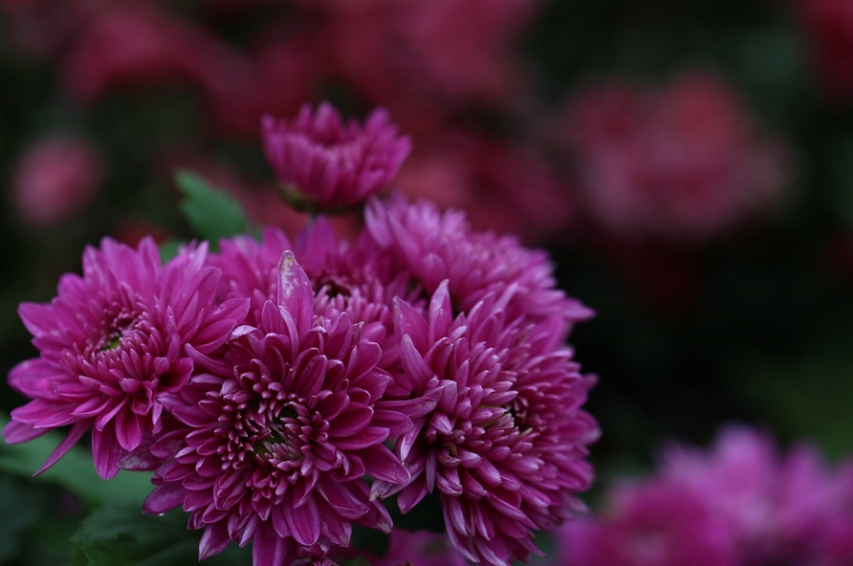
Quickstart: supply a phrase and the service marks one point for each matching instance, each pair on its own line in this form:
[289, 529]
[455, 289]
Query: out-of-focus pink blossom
[326, 164]
[503, 187]
[741, 503]
[650, 523]
[281, 69]
[829, 27]
[133, 45]
[56, 178]
[449, 49]
[684, 161]
[774, 504]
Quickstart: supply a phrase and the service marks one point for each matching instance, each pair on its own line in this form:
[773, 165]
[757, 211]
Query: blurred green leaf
[20, 507]
[119, 534]
[212, 213]
[808, 397]
[169, 249]
[74, 472]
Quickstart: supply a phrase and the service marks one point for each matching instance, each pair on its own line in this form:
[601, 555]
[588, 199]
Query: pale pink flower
[112, 344]
[440, 53]
[775, 505]
[681, 162]
[740, 503]
[648, 523]
[127, 46]
[503, 186]
[56, 178]
[324, 163]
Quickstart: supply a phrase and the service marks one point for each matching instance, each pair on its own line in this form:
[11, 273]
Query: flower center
[121, 326]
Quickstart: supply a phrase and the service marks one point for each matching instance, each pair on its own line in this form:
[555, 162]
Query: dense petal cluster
[113, 343]
[505, 446]
[282, 389]
[740, 504]
[435, 246]
[326, 164]
[279, 431]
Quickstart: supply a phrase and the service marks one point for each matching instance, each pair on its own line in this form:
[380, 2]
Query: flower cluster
[282, 391]
[741, 504]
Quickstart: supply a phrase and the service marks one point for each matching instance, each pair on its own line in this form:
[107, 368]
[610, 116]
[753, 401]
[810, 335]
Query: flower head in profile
[326, 164]
[435, 246]
[275, 438]
[505, 446]
[112, 345]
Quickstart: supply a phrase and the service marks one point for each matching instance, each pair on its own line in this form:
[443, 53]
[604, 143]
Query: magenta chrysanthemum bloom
[742, 502]
[112, 344]
[506, 444]
[435, 246]
[276, 437]
[356, 279]
[326, 164]
[651, 523]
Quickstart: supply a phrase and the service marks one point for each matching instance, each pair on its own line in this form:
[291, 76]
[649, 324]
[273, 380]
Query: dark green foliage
[119, 534]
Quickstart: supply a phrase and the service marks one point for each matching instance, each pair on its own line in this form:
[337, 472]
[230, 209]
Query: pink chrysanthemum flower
[356, 279]
[435, 246]
[776, 504]
[650, 523]
[112, 344]
[505, 446]
[275, 439]
[740, 503]
[681, 162]
[325, 164]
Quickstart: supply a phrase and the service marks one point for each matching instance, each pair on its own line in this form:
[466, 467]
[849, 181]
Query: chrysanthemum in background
[112, 344]
[740, 504]
[326, 164]
[684, 162]
[56, 178]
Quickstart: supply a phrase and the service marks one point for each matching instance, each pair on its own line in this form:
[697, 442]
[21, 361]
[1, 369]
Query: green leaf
[119, 534]
[211, 212]
[20, 508]
[169, 249]
[75, 471]
[807, 396]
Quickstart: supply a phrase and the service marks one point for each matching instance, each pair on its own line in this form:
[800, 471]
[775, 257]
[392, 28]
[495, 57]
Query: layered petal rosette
[435, 246]
[324, 163]
[356, 279]
[276, 437]
[506, 445]
[113, 343]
